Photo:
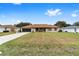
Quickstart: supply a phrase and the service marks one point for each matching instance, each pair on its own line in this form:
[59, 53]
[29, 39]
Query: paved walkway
[6, 38]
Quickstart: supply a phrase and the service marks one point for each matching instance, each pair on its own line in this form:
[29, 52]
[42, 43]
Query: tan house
[39, 28]
[9, 28]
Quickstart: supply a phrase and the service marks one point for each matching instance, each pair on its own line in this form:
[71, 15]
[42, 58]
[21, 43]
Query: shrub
[66, 31]
[60, 31]
[6, 31]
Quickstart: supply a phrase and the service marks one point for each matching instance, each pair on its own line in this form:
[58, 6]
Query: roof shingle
[40, 26]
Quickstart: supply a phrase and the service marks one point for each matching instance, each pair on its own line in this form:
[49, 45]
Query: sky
[38, 13]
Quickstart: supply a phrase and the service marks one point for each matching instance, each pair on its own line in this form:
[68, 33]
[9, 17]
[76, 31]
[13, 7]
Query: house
[9, 28]
[70, 29]
[39, 28]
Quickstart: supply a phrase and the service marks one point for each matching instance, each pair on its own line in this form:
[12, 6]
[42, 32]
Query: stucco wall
[3, 29]
[70, 30]
[52, 30]
[78, 30]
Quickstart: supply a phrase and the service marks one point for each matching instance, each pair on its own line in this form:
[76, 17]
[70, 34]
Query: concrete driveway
[7, 38]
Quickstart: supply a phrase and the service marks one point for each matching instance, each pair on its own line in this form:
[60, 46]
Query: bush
[6, 31]
[66, 31]
[60, 31]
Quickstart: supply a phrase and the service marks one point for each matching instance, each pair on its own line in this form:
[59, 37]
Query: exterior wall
[17, 29]
[68, 30]
[59, 29]
[33, 30]
[2, 29]
[9, 29]
[46, 30]
[78, 30]
[51, 30]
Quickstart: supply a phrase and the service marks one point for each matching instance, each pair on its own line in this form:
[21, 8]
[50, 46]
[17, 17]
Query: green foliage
[62, 24]
[22, 24]
[76, 24]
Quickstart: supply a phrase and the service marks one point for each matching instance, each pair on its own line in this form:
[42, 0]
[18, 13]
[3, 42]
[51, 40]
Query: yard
[43, 44]
[5, 33]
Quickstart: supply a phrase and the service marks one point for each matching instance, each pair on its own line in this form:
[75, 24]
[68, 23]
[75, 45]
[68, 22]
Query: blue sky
[38, 13]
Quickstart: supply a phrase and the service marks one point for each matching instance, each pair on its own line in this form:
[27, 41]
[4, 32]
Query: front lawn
[43, 44]
[5, 33]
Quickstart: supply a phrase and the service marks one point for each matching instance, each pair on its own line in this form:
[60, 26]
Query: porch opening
[40, 30]
[26, 30]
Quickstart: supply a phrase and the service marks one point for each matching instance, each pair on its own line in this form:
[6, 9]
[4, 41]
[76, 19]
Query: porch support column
[46, 30]
[33, 30]
[21, 30]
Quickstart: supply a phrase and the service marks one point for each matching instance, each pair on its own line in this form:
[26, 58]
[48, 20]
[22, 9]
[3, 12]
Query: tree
[76, 24]
[20, 25]
[62, 24]
[68, 25]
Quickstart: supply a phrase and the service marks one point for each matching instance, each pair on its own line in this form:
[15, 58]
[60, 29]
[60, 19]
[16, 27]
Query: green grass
[5, 33]
[43, 44]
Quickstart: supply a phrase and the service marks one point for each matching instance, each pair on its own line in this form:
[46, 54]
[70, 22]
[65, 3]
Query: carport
[26, 30]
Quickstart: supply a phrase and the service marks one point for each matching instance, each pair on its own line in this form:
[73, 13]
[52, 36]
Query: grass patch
[5, 33]
[43, 44]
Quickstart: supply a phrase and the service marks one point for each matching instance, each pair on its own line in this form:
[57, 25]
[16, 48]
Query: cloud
[52, 12]
[17, 3]
[18, 21]
[74, 15]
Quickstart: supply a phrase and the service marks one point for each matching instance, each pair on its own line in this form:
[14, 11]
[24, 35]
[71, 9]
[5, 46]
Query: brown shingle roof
[40, 26]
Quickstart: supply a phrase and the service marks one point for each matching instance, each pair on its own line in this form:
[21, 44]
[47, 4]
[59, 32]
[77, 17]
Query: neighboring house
[39, 28]
[9, 28]
[70, 29]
